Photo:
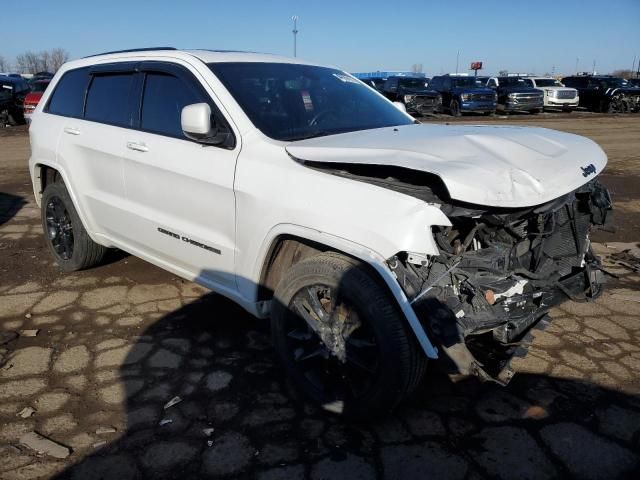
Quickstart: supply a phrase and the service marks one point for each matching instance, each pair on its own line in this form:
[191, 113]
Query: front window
[292, 102]
[413, 83]
[513, 82]
[547, 82]
[467, 82]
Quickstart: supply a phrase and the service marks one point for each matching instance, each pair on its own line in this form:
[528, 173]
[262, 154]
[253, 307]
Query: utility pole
[633, 68]
[457, 61]
[594, 67]
[577, 61]
[295, 34]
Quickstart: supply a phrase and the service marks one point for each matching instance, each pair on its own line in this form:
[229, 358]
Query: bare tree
[624, 73]
[4, 65]
[21, 64]
[47, 60]
[59, 56]
[44, 61]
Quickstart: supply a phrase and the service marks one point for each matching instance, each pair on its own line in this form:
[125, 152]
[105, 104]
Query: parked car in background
[376, 83]
[13, 90]
[600, 93]
[462, 94]
[556, 95]
[413, 93]
[514, 95]
[33, 97]
[634, 82]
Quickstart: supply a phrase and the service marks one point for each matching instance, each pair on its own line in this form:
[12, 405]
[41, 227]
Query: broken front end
[498, 273]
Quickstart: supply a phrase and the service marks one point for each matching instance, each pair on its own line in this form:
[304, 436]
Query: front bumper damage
[499, 272]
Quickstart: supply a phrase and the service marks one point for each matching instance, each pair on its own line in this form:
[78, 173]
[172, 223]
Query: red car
[31, 100]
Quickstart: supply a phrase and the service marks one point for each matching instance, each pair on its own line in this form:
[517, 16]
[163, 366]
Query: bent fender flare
[360, 252]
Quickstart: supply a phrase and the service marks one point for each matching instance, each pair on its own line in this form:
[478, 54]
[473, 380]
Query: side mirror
[400, 106]
[196, 125]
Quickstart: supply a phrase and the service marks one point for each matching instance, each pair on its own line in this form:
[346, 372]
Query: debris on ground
[209, 443]
[165, 421]
[626, 259]
[28, 333]
[208, 431]
[172, 402]
[26, 412]
[99, 444]
[44, 445]
[105, 430]
[28, 315]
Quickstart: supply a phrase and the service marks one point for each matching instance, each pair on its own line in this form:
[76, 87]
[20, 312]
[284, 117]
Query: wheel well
[48, 175]
[284, 253]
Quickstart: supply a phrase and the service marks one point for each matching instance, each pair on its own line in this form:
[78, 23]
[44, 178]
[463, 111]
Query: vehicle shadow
[10, 205]
[237, 416]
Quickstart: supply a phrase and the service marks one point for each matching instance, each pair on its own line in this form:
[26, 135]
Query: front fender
[361, 252]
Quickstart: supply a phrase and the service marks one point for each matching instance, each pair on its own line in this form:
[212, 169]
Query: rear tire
[66, 237]
[373, 360]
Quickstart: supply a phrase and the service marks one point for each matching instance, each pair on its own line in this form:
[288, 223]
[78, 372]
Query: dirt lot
[114, 344]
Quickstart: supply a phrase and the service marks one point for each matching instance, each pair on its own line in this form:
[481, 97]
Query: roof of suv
[207, 56]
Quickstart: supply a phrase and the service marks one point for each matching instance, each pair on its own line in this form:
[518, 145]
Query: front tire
[341, 338]
[455, 108]
[66, 237]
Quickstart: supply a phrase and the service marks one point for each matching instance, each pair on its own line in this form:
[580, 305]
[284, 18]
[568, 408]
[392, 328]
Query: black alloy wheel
[59, 228]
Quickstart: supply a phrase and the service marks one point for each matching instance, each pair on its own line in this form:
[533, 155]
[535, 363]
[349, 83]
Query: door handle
[71, 131]
[138, 147]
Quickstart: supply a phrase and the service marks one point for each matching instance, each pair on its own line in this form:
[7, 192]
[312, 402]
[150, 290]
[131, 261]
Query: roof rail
[131, 50]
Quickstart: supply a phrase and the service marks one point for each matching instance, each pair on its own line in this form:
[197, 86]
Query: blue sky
[524, 36]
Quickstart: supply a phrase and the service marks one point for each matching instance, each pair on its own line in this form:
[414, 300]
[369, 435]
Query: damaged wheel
[342, 339]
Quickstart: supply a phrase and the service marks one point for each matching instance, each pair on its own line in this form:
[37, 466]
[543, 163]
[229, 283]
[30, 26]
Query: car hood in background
[417, 91]
[486, 165]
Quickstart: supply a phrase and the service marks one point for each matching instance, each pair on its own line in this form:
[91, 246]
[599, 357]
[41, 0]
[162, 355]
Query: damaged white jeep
[373, 243]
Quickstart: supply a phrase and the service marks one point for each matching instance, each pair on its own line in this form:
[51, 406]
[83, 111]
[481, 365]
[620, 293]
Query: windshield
[614, 82]
[292, 102]
[514, 82]
[547, 82]
[467, 82]
[414, 83]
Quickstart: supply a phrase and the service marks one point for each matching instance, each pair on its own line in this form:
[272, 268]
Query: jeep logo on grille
[588, 170]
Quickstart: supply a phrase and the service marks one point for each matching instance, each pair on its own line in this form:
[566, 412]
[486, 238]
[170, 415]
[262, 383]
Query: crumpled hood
[485, 165]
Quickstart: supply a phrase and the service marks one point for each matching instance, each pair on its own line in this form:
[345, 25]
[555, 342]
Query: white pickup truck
[556, 95]
[373, 242]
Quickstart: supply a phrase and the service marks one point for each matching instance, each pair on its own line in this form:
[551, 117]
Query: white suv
[556, 95]
[372, 242]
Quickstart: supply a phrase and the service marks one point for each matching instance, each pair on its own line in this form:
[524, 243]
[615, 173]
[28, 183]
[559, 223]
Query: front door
[180, 193]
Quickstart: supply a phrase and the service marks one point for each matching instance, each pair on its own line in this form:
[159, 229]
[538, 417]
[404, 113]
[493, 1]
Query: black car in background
[605, 94]
[376, 83]
[515, 96]
[462, 94]
[413, 93]
[13, 90]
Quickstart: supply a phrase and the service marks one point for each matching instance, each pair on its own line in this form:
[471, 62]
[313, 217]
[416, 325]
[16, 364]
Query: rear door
[90, 145]
[181, 204]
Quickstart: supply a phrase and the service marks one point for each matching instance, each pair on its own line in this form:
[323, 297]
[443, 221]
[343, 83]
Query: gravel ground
[114, 344]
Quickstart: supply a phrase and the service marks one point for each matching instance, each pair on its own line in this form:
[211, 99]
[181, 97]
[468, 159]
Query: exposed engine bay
[499, 270]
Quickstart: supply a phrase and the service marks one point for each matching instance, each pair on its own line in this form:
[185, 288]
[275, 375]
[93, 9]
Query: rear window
[108, 99]
[68, 97]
